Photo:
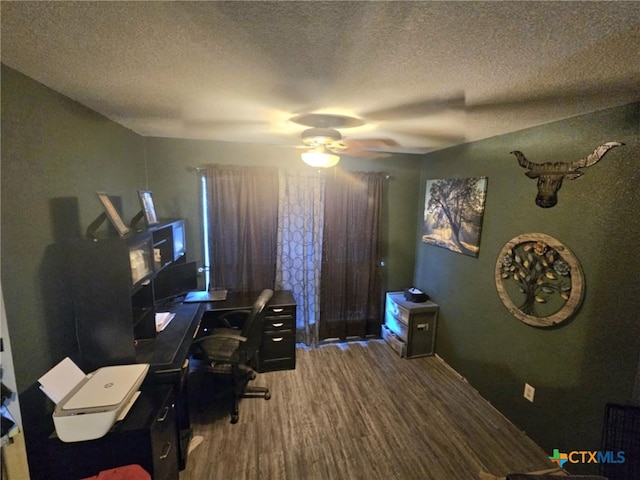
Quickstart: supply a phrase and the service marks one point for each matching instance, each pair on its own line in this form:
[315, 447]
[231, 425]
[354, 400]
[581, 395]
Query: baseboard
[450, 368]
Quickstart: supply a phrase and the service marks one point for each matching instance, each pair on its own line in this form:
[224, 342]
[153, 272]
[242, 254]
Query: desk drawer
[281, 323]
[164, 443]
[277, 352]
[281, 311]
[275, 364]
[276, 345]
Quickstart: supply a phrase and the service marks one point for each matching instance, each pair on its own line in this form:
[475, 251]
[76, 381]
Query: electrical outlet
[529, 392]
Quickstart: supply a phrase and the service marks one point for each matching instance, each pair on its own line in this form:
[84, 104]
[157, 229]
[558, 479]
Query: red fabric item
[127, 472]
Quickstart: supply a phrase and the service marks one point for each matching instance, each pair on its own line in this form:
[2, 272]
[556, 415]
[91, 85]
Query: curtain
[351, 287]
[242, 204]
[299, 256]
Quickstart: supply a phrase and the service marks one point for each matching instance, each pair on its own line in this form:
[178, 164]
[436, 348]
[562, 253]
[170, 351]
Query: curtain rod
[387, 176]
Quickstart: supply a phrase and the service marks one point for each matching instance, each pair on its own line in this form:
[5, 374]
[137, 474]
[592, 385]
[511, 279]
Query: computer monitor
[174, 281]
[179, 243]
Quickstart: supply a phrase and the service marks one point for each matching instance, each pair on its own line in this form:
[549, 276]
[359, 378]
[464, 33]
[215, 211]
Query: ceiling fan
[410, 128]
[324, 143]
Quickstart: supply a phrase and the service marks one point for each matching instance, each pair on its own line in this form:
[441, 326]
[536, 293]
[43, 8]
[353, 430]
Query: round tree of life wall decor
[539, 279]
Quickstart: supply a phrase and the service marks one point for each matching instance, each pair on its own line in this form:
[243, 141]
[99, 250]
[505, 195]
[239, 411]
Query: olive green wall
[588, 361]
[56, 154]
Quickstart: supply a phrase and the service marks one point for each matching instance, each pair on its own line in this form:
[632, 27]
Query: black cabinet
[147, 437]
[278, 349]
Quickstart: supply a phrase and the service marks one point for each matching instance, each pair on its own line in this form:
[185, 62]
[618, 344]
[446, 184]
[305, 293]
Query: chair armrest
[228, 335]
[224, 318]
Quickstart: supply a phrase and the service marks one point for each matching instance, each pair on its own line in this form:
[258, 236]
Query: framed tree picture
[453, 212]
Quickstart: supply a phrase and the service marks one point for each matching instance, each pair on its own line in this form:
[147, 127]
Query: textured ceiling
[425, 74]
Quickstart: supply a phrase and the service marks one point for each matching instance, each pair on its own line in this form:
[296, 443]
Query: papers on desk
[163, 319]
[61, 379]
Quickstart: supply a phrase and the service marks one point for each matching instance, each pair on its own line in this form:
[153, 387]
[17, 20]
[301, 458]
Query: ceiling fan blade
[221, 124]
[627, 88]
[368, 147]
[419, 108]
[300, 95]
[368, 154]
[322, 120]
[429, 135]
[401, 150]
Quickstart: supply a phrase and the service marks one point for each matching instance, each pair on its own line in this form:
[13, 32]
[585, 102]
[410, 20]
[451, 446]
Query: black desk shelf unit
[110, 286]
[111, 280]
[168, 242]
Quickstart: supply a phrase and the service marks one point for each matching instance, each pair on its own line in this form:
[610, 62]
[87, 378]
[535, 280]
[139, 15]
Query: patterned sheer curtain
[351, 286]
[318, 236]
[242, 204]
[299, 257]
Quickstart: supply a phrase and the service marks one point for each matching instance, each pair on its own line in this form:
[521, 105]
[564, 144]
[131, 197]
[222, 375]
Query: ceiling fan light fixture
[320, 136]
[320, 158]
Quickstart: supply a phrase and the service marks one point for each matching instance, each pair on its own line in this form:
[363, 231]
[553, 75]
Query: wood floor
[358, 411]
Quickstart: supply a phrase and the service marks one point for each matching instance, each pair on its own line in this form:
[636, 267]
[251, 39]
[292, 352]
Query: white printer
[87, 406]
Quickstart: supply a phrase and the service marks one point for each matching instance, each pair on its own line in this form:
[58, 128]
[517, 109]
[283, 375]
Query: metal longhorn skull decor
[551, 174]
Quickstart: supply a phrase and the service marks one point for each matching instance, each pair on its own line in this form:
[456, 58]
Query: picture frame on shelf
[112, 213]
[148, 208]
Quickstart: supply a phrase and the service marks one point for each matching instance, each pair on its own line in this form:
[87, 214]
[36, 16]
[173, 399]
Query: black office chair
[232, 352]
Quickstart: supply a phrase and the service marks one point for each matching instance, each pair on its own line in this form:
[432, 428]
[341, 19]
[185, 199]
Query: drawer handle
[278, 325]
[277, 310]
[165, 451]
[279, 339]
[163, 415]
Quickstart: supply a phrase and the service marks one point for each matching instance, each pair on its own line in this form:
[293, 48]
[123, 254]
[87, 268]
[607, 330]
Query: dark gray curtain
[243, 222]
[351, 286]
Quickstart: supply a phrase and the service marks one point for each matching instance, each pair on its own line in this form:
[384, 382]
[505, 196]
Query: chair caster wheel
[234, 419]
[267, 396]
